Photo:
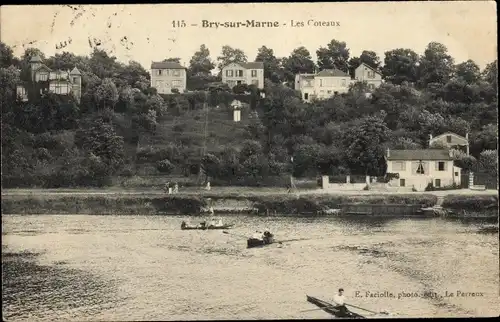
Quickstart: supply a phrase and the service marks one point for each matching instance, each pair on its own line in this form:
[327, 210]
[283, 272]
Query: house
[44, 79]
[244, 73]
[368, 74]
[329, 82]
[322, 85]
[418, 168]
[167, 75]
[452, 140]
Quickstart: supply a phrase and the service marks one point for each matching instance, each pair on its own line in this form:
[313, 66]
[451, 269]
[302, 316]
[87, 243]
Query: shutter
[436, 165]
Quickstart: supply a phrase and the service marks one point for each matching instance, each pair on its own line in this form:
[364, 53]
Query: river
[82, 267]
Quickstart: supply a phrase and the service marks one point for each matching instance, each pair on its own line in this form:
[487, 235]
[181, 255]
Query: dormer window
[448, 138]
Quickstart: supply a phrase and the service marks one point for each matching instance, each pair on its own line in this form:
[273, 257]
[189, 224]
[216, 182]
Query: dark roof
[332, 73]
[166, 65]
[425, 155]
[42, 66]
[370, 67]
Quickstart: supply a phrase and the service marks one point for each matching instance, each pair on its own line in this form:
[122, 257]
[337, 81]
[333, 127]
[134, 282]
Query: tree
[201, 64]
[101, 64]
[299, 61]
[364, 146]
[436, 65]
[400, 65]
[468, 71]
[165, 166]
[231, 55]
[106, 94]
[173, 60]
[488, 162]
[335, 55]
[271, 64]
[6, 56]
[490, 74]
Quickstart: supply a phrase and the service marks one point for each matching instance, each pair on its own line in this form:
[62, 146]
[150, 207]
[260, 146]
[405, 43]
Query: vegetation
[122, 127]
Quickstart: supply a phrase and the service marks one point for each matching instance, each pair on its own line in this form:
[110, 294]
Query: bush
[472, 203]
[165, 166]
[430, 187]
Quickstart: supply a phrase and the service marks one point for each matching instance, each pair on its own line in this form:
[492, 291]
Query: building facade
[371, 76]
[322, 85]
[330, 82]
[244, 73]
[46, 80]
[418, 168]
[166, 76]
[452, 141]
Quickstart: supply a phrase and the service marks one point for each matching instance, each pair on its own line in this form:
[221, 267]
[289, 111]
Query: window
[329, 92]
[238, 82]
[158, 84]
[420, 168]
[402, 182]
[176, 83]
[320, 83]
[176, 72]
[254, 73]
[398, 166]
[43, 76]
[255, 82]
[344, 83]
[456, 174]
[239, 73]
[441, 166]
[306, 96]
[371, 74]
[158, 72]
[75, 80]
[437, 183]
[229, 73]
[448, 139]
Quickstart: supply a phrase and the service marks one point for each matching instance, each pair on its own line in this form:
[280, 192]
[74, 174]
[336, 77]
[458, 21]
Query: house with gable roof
[418, 168]
[251, 73]
[452, 141]
[368, 74]
[45, 80]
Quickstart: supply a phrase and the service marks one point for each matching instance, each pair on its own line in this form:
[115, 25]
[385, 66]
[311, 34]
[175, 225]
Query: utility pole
[204, 150]
[292, 183]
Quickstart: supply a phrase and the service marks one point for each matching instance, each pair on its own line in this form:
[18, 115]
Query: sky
[145, 33]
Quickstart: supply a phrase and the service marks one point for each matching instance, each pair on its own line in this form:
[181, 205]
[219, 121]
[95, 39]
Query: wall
[332, 84]
[326, 185]
[361, 74]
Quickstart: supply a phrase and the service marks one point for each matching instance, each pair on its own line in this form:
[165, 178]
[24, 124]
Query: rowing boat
[227, 226]
[330, 308]
[256, 242]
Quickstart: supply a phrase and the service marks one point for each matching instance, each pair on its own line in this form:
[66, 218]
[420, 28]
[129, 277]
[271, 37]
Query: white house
[168, 75]
[418, 168]
[244, 73]
[452, 140]
[368, 74]
[322, 85]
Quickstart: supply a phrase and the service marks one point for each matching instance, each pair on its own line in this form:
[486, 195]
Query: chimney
[388, 152]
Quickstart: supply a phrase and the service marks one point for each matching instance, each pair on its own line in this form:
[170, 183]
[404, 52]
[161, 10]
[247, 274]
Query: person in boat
[183, 224]
[339, 302]
[203, 224]
[257, 235]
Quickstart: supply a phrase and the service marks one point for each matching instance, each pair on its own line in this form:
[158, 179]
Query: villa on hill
[45, 80]
[244, 73]
[329, 82]
[168, 75]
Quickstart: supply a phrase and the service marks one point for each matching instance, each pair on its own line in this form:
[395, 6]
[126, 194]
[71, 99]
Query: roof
[35, 59]
[75, 71]
[425, 155]
[250, 65]
[42, 66]
[449, 133]
[166, 65]
[370, 67]
[332, 73]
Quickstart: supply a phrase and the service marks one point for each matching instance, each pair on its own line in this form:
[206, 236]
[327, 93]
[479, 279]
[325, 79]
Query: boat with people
[206, 226]
[260, 239]
[330, 308]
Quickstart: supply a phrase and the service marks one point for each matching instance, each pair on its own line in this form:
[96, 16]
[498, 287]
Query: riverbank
[264, 201]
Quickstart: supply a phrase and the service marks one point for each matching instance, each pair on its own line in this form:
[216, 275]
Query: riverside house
[168, 75]
[452, 140]
[244, 73]
[418, 168]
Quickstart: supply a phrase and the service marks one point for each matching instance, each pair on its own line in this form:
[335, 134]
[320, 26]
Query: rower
[257, 235]
[183, 224]
[339, 302]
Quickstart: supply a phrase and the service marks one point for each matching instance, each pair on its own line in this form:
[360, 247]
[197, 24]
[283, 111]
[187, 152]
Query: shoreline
[258, 201]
